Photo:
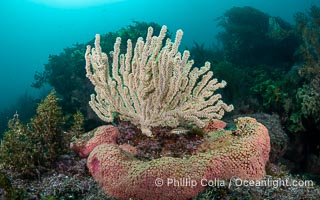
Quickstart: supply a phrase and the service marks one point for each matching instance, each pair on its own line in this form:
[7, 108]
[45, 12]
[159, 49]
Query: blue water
[33, 29]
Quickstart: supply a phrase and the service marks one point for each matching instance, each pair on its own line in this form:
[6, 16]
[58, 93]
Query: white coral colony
[153, 85]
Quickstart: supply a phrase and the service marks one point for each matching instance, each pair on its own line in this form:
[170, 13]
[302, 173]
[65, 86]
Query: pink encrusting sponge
[223, 155]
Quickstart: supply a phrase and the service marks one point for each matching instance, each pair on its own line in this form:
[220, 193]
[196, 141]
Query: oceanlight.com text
[233, 182]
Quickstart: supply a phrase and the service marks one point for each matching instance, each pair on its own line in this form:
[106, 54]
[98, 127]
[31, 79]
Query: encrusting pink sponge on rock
[224, 154]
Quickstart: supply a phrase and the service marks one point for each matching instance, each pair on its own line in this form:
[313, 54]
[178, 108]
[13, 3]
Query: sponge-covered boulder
[224, 154]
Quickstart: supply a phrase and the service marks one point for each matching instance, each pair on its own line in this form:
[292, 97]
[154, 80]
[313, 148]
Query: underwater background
[267, 51]
[34, 29]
